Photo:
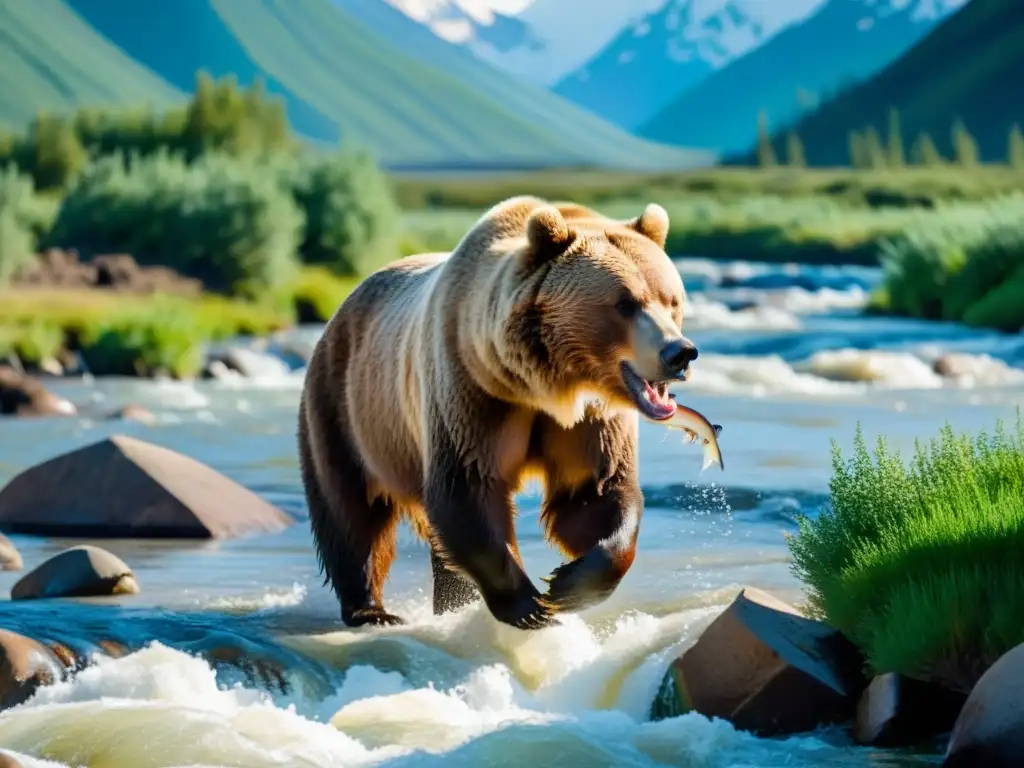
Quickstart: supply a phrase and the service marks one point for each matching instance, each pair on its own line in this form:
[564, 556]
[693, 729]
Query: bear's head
[607, 312]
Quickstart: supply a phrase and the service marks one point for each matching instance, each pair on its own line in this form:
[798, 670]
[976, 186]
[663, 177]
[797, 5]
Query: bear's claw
[581, 583]
[377, 617]
[525, 612]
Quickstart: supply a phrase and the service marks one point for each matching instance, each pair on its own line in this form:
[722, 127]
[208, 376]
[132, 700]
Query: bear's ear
[548, 234]
[652, 224]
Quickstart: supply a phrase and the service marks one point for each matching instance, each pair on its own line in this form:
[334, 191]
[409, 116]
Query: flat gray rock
[125, 487]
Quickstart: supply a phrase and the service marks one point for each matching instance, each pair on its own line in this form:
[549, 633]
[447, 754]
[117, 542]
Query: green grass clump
[129, 335]
[964, 265]
[165, 339]
[920, 566]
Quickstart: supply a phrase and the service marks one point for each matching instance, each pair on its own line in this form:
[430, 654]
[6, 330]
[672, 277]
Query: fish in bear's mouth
[653, 400]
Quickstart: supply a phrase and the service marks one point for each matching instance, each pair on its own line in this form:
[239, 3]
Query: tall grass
[921, 565]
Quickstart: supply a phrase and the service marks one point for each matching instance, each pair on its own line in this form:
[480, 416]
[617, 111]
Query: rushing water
[787, 363]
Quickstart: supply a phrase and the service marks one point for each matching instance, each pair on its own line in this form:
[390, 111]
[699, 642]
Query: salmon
[697, 427]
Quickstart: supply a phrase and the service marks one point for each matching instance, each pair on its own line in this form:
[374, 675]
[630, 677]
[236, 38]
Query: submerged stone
[126, 487]
[990, 729]
[766, 669]
[24, 666]
[896, 711]
[84, 571]
[22, 395]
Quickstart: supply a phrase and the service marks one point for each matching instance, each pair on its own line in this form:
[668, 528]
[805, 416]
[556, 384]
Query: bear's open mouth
[653, 400]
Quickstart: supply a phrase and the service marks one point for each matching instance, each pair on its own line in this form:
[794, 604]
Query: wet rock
[10, 558]
[133, 412]
[6, 761]
[24, 666]
[83, 571]
[766, 669]
[22, 395]
[990, 729]
[248, 363]
[897, 711]
[125, 487]
[970, 370]
[114, 649]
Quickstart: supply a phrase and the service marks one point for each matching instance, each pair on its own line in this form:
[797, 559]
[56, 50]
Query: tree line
[867, 150]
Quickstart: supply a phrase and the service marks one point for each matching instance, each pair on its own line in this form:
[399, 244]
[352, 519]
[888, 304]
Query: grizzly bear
[445, 381]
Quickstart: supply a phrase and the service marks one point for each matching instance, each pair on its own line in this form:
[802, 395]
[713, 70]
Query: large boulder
[24, 666]
[22, 395]
[897, 711]
[125, 487]
[8, 761]
[990, 729]
[10, 558]
[83, 571]
[766, 669]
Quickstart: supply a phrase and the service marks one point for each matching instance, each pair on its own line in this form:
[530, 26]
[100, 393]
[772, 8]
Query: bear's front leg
[471, 517]
[598, 526]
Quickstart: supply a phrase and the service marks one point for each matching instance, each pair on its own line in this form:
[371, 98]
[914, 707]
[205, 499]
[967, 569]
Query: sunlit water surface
[786, 364]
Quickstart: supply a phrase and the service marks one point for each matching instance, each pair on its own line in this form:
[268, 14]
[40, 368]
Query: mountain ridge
[790, 74]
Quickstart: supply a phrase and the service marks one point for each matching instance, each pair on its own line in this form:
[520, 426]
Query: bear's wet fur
[445, 381]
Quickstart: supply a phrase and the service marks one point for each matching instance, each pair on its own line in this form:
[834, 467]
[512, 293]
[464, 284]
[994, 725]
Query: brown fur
[445, 381]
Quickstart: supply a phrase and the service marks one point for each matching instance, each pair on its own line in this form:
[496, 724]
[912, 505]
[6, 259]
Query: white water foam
[570, 693]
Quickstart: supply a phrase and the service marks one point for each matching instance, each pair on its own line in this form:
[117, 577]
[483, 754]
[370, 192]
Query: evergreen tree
[795, 151]
[924, 152]
[965, 149]
[895, 154]
[858, 155]
[765, 150]
[873, 150]
[1016, 149]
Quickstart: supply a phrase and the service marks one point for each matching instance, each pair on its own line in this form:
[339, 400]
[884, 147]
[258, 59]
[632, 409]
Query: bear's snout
[677, 355]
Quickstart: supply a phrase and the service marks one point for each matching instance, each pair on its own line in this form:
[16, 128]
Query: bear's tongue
[662, 406]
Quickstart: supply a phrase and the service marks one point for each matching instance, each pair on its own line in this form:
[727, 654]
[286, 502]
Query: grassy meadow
[223, 192]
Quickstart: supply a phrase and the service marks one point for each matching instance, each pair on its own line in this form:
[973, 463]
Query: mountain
[42, 47]
[844, 41]
[540, 41]
[969, 68]
[660, 55]
[534, 102]
[339, 78]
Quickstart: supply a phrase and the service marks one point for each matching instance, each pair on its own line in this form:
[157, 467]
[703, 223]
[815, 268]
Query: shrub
[944, 265]
[165, 338]
[217, 219]
[351, 214]
[24, 217]
[920, 566]
[16, 249]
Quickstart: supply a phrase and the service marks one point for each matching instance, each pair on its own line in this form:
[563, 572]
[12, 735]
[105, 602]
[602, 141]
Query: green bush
[351, 216]
[920, 566]
[218, 219]
[944, 266]
[165, 338]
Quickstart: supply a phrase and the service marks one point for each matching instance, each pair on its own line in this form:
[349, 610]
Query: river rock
[897, 711]
[125, 487]
[24, 666]
[23, 395]
[990, 729]
[132, 412]
[83, 571]
[766, 669]
[10, 558]
[6, 761]
[249, 363]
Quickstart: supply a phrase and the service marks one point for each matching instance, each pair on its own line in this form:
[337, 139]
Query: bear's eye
[627, 306]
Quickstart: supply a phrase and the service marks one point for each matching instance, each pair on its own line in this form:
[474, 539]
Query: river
[787, 362]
